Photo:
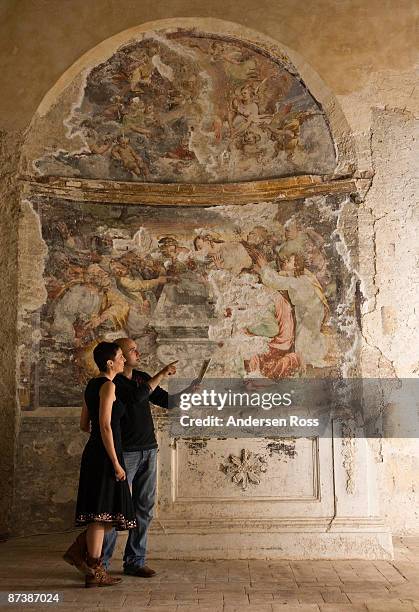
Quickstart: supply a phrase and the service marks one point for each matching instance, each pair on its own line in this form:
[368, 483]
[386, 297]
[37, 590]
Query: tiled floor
[34, 564]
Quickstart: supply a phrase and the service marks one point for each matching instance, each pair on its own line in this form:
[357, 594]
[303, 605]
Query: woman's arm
[85, 418]
[107, 398]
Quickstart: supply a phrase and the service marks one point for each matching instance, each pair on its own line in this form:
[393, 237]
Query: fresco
[259, 289]
[183, 107]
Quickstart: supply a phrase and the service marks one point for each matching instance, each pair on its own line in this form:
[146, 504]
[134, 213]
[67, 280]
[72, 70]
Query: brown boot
[76, 555]
[100, 577]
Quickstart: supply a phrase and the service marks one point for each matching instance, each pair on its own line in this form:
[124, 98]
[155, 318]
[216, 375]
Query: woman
[104, 499]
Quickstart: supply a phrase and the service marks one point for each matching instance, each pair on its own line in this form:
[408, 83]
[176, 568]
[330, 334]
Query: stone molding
[185, 194]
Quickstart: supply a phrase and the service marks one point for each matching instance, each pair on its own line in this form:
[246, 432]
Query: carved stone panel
[295, 479]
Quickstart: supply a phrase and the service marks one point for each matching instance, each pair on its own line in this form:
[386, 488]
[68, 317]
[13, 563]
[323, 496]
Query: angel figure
[123, 152]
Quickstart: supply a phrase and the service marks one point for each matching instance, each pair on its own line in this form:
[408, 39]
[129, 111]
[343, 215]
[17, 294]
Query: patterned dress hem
[117, 520]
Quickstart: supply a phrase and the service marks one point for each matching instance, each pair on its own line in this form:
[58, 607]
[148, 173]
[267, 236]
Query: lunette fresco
[183, 107]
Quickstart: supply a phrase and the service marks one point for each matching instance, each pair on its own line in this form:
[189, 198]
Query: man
[136, 390]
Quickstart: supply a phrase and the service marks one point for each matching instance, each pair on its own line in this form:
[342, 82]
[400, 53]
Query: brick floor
[34, 564]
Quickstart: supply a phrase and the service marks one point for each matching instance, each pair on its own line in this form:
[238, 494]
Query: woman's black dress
[101, 497]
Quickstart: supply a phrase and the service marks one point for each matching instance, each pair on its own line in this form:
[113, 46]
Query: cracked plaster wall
[388, 262]
[365, 55]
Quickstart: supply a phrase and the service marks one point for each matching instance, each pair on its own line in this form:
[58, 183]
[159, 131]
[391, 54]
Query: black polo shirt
[137, 427]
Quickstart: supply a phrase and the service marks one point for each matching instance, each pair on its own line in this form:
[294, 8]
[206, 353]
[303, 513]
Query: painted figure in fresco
[260, 240]
[308, 243]
[177, 258]
[230, 256]
[244, 110]
[138, 290]
[116, 110]
[136, 117]
[245, 120]
[62, 275]
[88, 310]
[249, 126]
[278, 323]
[141, 72]
[123, 152]
[310, 305]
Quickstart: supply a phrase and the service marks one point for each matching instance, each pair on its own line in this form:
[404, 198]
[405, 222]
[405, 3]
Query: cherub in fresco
[309, 302]
[97, 144]
[308, 243]
[284, 129]
[230, 256]
[123, 152]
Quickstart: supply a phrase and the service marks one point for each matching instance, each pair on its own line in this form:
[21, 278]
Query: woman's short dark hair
[104, 352]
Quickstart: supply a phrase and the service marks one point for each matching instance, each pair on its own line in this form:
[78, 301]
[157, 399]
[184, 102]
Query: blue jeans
[141, 469]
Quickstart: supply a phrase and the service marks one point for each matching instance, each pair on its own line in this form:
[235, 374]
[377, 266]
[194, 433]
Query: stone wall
[47, 465]
[9, 207]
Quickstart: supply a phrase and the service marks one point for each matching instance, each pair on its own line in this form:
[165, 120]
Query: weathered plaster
[388, 226]
[9, 210]
[32, 253]
[389, 248]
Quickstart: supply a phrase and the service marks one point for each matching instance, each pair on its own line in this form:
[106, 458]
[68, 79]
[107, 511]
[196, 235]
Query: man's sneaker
[136, 570]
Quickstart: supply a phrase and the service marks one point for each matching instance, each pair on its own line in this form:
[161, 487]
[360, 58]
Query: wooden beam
[184, 194]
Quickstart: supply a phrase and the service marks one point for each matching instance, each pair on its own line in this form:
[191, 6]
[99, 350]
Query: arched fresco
[264, 289]
[192, 107]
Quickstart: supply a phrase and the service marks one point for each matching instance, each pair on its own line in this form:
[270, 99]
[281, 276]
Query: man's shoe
[136, 570]
[76, 555]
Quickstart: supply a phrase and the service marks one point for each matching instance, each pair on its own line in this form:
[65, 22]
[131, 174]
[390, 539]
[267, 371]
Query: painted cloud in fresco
[187, 108]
